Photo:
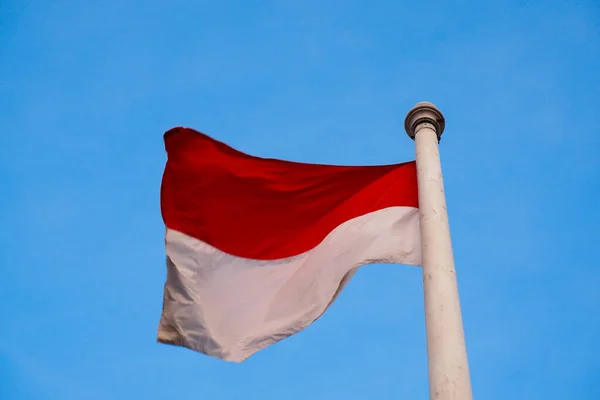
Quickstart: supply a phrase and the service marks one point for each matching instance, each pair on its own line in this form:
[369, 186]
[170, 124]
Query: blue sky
[88, 88]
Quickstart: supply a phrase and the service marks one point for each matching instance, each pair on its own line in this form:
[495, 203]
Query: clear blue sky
[88, 88]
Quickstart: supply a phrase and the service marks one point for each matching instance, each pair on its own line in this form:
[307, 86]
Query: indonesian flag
[257, 249]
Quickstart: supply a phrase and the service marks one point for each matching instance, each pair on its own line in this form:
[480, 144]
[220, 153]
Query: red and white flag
[257, 249]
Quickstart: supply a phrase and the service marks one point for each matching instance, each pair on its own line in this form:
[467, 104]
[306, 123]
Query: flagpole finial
[424, 112]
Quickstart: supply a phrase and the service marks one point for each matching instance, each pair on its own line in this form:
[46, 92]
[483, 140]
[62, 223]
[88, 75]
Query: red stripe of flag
[265, 208]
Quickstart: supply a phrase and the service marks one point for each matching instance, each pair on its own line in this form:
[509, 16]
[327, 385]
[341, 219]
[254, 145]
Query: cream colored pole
[446, 351]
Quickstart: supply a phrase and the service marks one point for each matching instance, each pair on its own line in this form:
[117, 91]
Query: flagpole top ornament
[422, 113]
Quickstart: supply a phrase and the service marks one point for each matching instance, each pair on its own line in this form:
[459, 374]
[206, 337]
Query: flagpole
[446, 350]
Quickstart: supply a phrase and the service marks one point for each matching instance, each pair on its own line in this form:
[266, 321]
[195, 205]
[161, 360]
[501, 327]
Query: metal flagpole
[446, 350]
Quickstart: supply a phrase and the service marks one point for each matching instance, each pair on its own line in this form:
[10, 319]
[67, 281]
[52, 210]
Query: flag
[257, 249]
